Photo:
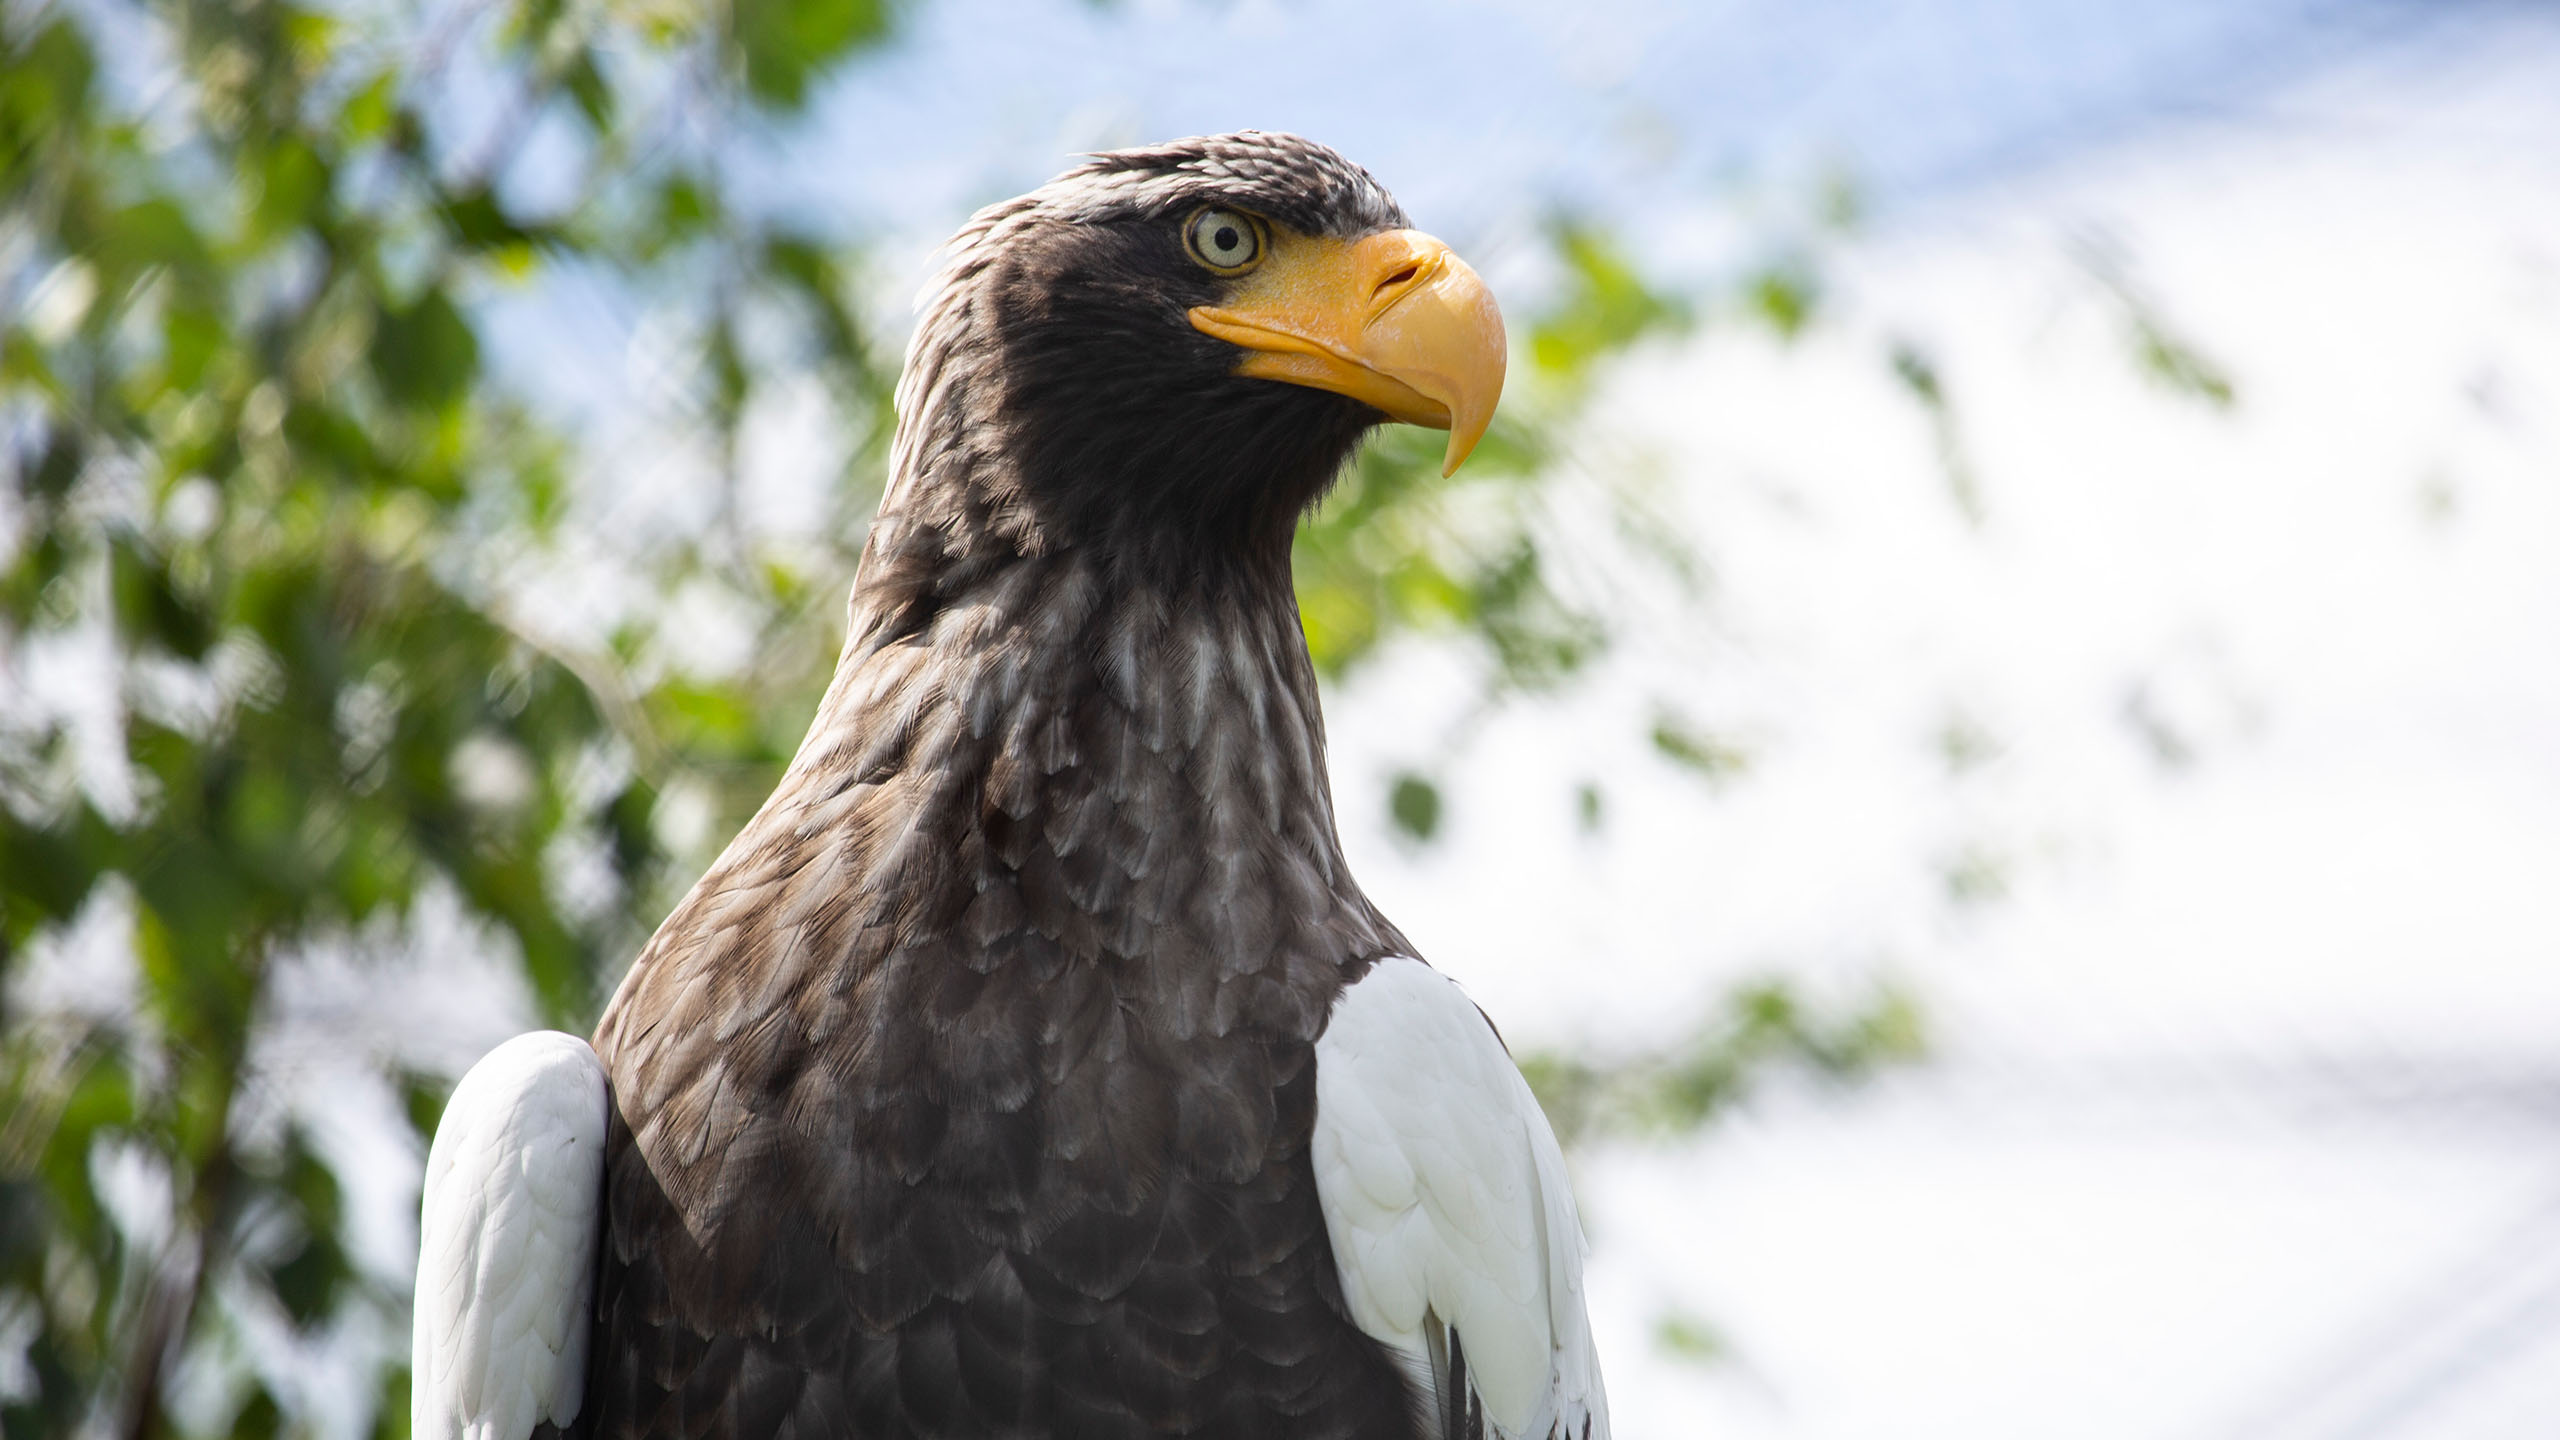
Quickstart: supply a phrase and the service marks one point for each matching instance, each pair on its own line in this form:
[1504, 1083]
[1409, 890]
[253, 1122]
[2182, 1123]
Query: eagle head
[1173, 350]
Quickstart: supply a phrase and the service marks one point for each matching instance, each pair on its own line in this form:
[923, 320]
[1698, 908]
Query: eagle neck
[1142, 757]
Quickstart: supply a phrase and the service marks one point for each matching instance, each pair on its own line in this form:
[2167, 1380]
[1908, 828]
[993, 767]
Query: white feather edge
[507, 1243]
[1446, 1198]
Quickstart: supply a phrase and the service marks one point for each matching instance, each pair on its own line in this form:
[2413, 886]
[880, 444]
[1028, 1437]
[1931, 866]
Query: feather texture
[1451, 1216]
[507, 1244]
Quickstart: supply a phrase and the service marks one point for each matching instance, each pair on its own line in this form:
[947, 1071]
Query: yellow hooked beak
[1394, 319]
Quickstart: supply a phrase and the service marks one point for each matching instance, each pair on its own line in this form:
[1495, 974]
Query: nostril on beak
[1409, 270]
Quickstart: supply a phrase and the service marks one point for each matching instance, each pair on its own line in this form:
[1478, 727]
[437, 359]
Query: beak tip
[1467, 426]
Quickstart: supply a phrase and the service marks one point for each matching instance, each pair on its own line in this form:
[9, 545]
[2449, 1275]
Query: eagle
[1031, 1065]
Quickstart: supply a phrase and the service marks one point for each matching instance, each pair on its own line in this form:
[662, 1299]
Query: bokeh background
[1988, 721]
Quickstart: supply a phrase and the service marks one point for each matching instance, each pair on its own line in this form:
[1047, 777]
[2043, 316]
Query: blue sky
[1703, 134]
[1470, 111]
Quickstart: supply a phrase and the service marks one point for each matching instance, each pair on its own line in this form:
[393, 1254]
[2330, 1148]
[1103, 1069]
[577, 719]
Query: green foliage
[1785, 297]
[2159, 351]
[782, 45]
[1692, 748]
[2173, 362]
[1606, 307]
[1413, 804]
[1688, 1337]
[1918, 372]
[1759, 1030]
[256, 460]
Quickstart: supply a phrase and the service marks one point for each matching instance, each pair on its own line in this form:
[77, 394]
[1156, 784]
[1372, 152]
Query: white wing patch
[1445, 1194]
[507, 1244]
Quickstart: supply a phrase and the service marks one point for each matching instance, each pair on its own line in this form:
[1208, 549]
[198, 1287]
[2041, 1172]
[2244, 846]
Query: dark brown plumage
[969, 1093]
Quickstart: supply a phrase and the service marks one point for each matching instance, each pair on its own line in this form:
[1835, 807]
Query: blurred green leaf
[1918, 372]
[2159, 350]
[1759, 1031]
[1686, 745]
[1688, 1338]
[391, 1415]
[478, 222]
[783, 44]
[1607, 306]
[148, 605]
[1784, 297]
[314, 1268]
[291, 184]
[424, 353]
[2180, 366]
[1413, 803]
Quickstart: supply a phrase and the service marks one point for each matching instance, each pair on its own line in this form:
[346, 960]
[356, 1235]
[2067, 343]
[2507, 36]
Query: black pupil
[1226, 238]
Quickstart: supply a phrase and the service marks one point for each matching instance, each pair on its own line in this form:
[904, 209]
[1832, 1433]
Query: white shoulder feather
[507, 1244]
[1452, 1220]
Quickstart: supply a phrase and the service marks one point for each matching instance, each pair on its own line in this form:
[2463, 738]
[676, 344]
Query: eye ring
[1224, 241]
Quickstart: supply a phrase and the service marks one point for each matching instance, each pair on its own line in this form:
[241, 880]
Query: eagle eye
[1225, 241]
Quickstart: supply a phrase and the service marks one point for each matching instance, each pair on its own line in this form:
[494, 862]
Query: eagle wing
[1451, 1216]
[507, 1244]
